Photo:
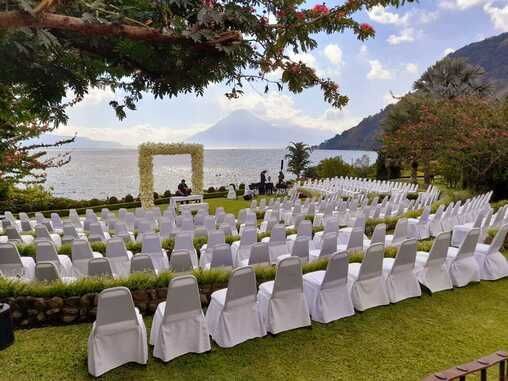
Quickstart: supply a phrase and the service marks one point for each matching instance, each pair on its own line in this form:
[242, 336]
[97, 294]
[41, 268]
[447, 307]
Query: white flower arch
[146, 152]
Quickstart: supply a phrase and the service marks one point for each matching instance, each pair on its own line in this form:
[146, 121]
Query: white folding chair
[142, 263]
[368, 287]
[118, 336]
[241, 249]
[99, 267]
[152, 246]
[493, 265]
[45, 251]
[328, 247]
[184, 241]
[215, 237]
[399, 235]
[233, 315]
[327, 292]
[282, 302]
[430, 267]
[461, 263]
[13, 265]
[179, 326]
[180, 261]
[119, 256]
[401, 282]
[81, 253]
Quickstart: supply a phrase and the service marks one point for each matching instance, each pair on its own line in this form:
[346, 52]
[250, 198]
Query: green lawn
[399, 342]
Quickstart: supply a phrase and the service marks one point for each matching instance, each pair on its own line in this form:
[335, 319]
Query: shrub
[112, 200]
[211, 190]
[155, 195]
[167, 194]
[241, 186]
[222, 188]
[129, 198]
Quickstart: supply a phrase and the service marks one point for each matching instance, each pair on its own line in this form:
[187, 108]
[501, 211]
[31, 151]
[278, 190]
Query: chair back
[115, 305]
[259, 253]
[151, 243]
[56, 221]
[216, 237]
[221, 256]
[142, 263]
[45, 251]
[301, 248]
[12, 233]
[379, 234]
[355, 241]
[278, 235]
[41, 232]
[81, 249]
[10, 261]
[180, 261]
[46, 272]
[183, 300]
[99, 267]
[498, 240]
[305, 229]
[468, 246]
[249, 236]
[439, 250]
[115, 248]
[242, 287]
[336, 271]
[406, 257]
[400, 232]
[183, 241]
[331, 225]
[288, 277]
[328, 244]
[372, 264]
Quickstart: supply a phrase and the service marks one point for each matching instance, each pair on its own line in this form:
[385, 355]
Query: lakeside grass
[404, 341]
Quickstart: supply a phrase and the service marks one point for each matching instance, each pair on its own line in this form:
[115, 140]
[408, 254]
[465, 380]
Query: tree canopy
[165, 47]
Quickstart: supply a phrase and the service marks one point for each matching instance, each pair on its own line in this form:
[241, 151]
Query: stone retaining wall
[32, 312]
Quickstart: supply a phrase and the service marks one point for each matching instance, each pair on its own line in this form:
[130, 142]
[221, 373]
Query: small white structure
[231, 193]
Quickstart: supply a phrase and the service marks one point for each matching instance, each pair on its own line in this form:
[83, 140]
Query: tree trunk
[426, 172]
[414, 172]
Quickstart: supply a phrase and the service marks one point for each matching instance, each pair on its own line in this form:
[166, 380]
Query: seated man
[183, 189]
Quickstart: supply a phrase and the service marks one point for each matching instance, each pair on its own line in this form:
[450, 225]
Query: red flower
[366, 28]
[300, 15]
[209, 3]
[321, 9]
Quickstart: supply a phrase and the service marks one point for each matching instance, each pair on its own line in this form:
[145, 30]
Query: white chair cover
[368, 283]
[184, 241]
[179, 326]
[241, 249]
[180, 261]
[233, 316]
[118, 335]
[327, 292]
[142, 263]
[45, 251]
[401, 282]
[282, 302]
[461, 263]
[81, 253]
[152, 246]
[493, 265]
[99, 267]
[430, 267]
[13, 265]
[215, 237]
[119, 256]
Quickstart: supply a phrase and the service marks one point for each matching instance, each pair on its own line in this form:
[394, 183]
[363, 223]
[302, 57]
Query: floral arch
[147, 151]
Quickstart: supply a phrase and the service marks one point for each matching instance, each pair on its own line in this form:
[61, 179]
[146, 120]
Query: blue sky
[407, 41]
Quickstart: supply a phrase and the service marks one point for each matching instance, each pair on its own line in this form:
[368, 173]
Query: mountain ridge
[491, 54]
[243, 129]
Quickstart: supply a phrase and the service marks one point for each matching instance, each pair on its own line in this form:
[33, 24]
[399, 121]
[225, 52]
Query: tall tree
[453, 77]
[298, 157]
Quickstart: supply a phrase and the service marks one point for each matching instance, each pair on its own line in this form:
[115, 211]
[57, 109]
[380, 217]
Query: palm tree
[454, 77]
[298, 157]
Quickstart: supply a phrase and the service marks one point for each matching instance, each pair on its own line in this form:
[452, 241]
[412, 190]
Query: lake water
[103, 173]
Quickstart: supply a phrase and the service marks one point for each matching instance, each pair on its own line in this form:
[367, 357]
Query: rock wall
[32, 312]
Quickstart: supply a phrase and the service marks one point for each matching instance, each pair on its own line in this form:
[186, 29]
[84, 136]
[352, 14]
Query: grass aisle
[399, 342]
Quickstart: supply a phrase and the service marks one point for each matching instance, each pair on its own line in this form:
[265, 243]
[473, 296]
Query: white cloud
[94, 96]
[132, 135]
[425, 17]
[448, 51]
[459, 4]
[364, 50]
[406, 35]
[377, 71]
[306, 58]
[281, 109]
[379, 14]
[334, 54]
[412, 68]
[498, 16]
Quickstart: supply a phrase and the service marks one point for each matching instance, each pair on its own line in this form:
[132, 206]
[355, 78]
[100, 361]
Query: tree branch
[18, 19]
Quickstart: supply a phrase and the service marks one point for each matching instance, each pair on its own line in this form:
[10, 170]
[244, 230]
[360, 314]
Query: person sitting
[183, 189]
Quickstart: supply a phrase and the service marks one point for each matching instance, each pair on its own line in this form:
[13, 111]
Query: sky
[408, 40]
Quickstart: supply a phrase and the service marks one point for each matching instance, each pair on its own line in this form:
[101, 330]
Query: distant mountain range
[491, 54]
[242, 129]
[80, 143]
